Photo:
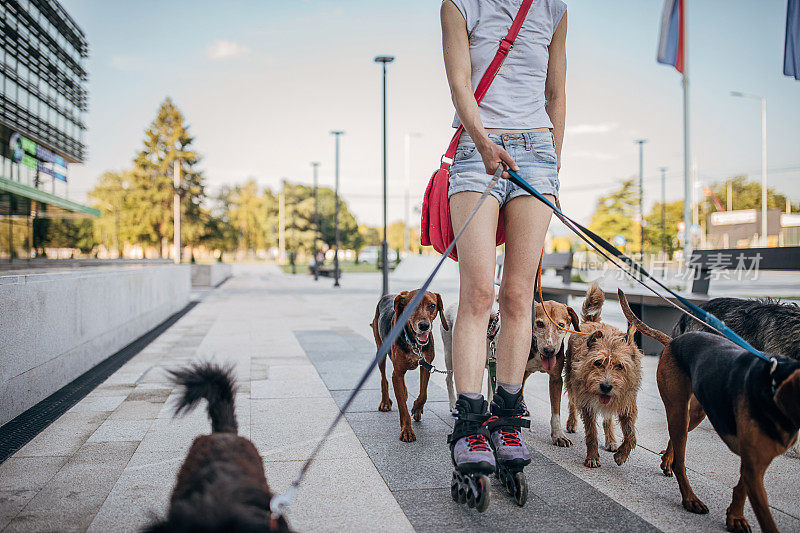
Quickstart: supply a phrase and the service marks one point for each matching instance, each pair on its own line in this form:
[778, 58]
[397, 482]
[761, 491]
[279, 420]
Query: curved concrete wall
[54, 326]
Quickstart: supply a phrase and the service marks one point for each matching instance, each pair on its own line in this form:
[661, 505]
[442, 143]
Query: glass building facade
[42, 91]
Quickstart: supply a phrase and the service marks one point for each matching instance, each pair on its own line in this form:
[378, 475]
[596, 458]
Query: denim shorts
[533, 152]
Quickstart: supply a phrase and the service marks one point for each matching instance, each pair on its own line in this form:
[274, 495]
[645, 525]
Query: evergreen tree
[166, 140]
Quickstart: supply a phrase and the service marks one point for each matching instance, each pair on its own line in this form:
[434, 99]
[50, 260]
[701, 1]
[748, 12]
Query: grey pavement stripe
[418, 473]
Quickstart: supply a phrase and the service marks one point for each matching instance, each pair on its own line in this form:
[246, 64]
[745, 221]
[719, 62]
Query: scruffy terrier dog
[603, 373]
[221, 485]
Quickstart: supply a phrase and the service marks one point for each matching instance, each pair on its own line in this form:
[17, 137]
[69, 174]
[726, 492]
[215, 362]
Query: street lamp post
[384, 60]
[336, 134]
[663, 209]
[641, 142]
[315, 166]
[763, 160]
[407, 230]
[176, 200]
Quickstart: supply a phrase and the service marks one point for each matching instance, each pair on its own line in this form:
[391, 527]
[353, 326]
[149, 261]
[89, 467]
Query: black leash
[694, 311]
[280, 502]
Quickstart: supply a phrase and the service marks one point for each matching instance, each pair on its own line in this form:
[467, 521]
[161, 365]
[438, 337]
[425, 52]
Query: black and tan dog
[221, 485]
[415, 342]
[754, 409]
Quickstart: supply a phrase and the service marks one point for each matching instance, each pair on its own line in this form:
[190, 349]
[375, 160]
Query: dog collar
[413, 342]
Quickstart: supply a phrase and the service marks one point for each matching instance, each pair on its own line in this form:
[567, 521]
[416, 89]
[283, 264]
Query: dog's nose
[424, 326]
[605, 388]
[549, 352]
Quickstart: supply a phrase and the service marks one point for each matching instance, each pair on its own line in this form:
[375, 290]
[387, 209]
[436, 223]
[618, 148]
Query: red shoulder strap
[491, 71]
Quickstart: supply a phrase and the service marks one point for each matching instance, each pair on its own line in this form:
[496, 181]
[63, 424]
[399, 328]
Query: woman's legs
[526, 221]
[476, 254]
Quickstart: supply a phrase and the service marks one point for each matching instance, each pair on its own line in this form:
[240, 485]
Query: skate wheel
[454, 487]
[482, 500]
[521, 492]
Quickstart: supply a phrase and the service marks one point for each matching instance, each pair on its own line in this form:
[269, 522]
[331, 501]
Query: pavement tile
[121, 430]
[64, 436]
[11, 502]
[97, 403]
[29, 473]
[289, 381]
[360, 501]
[289, 430]
[69, 501]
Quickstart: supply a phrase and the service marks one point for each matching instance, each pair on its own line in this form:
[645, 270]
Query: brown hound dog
[547, 355]
[753, 405]
[414, 344]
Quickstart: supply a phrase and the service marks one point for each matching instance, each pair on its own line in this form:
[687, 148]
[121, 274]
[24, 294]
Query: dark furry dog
[221, 485]
[769, 325]
[753, 406]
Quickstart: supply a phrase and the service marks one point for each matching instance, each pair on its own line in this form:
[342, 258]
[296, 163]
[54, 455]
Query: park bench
[324, 271]
[714, 264]
[561, 262]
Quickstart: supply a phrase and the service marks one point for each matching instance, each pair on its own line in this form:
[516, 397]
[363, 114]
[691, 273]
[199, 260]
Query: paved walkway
[299, 347]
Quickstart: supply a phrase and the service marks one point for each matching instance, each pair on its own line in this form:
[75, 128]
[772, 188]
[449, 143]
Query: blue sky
[263, 82]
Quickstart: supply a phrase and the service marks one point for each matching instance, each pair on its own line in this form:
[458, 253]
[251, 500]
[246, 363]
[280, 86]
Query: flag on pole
[791, 55]
[670, 42]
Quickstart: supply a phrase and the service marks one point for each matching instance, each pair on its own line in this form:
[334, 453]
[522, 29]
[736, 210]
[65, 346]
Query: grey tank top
[515, 99]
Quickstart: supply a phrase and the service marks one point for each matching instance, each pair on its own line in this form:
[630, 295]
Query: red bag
[436, 228]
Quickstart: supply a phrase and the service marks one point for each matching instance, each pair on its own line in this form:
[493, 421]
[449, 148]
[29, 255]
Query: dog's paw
[737, 524]
[385, 406]
[611, 447]
[416, 413]
[561, 441]
[407, 435]
[620, 458]
[666, 465]
[592, 463]
[571, 425]
[694, 505]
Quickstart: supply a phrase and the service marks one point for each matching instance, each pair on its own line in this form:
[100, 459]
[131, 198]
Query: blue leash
[696, 312]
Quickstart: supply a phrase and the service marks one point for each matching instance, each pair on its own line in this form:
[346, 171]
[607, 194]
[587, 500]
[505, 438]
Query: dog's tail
[214, 383]
[593, 304]
[661, 337]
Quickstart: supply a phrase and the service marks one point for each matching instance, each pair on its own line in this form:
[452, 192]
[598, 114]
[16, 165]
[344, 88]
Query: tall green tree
[614, 215]
[746, 194]
[166, 139]
[654, 239]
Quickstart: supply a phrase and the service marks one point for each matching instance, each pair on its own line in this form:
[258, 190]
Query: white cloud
[222, 49]
[603, 127]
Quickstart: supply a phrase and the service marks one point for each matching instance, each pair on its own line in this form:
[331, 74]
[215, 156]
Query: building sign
[729, 218]
[789, 220]
[29, 154]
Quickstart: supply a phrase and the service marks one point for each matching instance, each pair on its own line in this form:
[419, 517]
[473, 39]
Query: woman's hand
[494, 155]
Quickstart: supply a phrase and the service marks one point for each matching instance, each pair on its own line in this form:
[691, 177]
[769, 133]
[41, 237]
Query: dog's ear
[631, 335]
[573, 317]
[440, 307]
[593, 338]
[399, 303]
[787, 397]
